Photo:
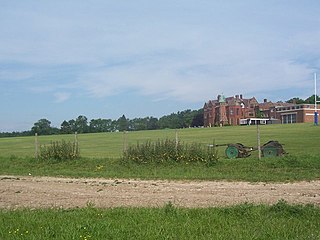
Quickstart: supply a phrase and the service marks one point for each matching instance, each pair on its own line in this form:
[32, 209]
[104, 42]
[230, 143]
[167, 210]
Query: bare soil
[52, 192]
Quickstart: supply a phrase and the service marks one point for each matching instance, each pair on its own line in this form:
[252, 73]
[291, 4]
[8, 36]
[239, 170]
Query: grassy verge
[279, 221]
[289, 168]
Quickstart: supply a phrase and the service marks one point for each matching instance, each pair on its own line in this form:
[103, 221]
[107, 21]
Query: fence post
[36, 145]
[75, 142]
[177, 140]
[258, 140]
[125, 141]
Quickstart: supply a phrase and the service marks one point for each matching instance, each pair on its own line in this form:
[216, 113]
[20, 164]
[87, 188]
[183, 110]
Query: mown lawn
[297, 139]
[246, 221]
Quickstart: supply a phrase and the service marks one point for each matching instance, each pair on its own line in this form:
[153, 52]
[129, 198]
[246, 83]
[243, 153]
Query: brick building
[238, 110]
[295, 113]
[229, 111]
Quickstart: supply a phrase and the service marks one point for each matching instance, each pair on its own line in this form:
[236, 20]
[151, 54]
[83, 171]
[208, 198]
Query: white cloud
[61, 96]
[185, 50]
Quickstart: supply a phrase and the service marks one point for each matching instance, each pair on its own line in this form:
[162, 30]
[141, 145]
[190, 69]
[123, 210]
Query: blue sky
[101, 58]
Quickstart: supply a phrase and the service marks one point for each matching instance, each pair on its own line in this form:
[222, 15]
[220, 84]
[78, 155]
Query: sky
[102, 59]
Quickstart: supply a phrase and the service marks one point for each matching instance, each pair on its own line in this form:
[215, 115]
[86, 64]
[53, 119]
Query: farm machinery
[238, 150]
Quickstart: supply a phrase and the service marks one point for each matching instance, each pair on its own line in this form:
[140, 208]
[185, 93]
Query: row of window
[289, 118]
[292, 108]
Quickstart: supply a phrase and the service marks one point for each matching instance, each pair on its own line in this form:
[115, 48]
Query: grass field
[100, 158]
[246, 221]
[101, 152]
[297, 139]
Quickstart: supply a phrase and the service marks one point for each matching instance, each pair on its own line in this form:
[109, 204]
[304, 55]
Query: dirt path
[44, 192]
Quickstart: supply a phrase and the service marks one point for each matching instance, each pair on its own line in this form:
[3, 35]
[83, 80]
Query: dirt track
[46, 192]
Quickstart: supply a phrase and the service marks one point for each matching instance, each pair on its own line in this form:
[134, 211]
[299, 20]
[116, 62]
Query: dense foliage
[187, 118]
[60, 151]
[164, 151]
[297, 100]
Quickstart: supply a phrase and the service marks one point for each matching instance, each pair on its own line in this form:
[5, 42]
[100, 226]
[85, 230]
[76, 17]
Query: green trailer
[238, 150]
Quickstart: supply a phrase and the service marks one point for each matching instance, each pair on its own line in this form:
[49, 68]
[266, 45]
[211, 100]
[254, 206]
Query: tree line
[183, 119]
[297, 100]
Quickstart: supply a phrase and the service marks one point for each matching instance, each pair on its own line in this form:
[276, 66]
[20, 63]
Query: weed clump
[165, 151]
[60, 150]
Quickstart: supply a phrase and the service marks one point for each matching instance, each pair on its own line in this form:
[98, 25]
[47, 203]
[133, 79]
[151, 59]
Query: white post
[315, 92]
[316, 117]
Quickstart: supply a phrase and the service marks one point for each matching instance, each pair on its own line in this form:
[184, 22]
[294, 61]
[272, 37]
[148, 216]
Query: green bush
[169, 150]
[60, 151]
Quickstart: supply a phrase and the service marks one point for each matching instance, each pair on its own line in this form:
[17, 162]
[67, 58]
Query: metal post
[315, 100]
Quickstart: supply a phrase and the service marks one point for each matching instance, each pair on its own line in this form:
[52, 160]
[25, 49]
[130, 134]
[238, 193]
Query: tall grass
[246, 221]
[163, 151]
[60, 150]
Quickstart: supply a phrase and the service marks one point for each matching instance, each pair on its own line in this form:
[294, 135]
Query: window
[231, 111]
[289, 118]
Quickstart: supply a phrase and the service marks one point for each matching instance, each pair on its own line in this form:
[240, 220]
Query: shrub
[59, 151]
[169, 150]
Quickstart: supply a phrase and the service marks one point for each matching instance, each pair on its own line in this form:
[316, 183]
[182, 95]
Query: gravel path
[46, 192]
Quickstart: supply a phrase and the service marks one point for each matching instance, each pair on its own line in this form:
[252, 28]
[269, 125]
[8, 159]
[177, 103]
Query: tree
[310, 100]
[123, 123]
[42, 127]
[72, 124]
[137, 124]
[81, 124]
[152, 123]
[100, 125]
[296, 100]
[66, 127]
[197, 120]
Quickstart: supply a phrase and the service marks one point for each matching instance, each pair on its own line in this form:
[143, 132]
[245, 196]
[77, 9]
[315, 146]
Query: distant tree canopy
[42, 127]
[297, 100]
[310, 99]
[183, 119]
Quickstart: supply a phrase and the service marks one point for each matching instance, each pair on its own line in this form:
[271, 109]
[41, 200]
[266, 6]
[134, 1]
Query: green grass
[246, 221]
[249, 169]
[297, 139]
[100, 155]
[100, 158]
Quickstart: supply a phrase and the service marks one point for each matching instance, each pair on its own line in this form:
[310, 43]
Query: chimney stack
[265, 100]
